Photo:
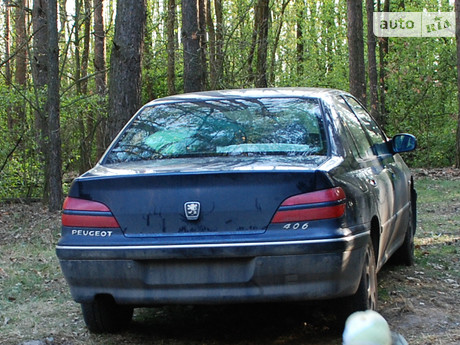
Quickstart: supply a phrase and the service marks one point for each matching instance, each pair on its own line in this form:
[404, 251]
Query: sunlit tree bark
[192, 36]
[300, 47]
[7, 64]
[55, 160]
[372, 64]
[171, 46]
[125, 63]
[383, 52]
[21, 48]
[261, 26]
[356, 50]
[100, 74]
[39, 63]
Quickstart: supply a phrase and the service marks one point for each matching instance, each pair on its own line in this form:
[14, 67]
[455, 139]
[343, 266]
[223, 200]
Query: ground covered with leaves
[420, 302]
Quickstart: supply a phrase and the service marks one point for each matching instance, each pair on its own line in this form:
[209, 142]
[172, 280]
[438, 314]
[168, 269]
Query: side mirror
[403, 143]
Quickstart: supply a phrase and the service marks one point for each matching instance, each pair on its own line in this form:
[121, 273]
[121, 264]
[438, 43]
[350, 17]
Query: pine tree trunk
[211, 47]
[171, 46]
[39, 63]
[203, 41]
[55, 171]
[191, 38]
[101, 74]
[280, 23]
[86, 40]
[356, 50]
[219, 57]
[99, 48]
[125, 64]
[372, 64]
[7, 64]
[261, 24]
[383, 51]
[21, 40]
[8, 76]
[83, 18]
[299, 36]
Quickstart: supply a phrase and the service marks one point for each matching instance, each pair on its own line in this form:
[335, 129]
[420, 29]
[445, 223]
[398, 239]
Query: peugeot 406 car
[257, 195]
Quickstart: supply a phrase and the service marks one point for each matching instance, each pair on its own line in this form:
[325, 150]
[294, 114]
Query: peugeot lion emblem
[192, 210]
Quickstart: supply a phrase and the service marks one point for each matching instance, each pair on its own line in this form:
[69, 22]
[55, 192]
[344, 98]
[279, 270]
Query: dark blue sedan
[260, 195]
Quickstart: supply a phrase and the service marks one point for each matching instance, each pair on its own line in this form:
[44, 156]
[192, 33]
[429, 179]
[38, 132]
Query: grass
[438, 232]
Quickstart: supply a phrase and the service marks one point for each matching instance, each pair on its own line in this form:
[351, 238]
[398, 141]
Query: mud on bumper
[215, 273]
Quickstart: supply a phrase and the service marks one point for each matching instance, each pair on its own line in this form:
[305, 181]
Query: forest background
[72, 72]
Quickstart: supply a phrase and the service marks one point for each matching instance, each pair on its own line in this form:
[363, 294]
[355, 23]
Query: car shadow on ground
[239, 324]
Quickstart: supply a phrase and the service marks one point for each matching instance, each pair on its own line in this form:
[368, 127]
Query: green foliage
[21, 169]
[307, 46]
[422, 97]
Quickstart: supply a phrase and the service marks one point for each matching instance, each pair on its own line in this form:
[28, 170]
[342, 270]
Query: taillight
[87, 214]
[322, 204]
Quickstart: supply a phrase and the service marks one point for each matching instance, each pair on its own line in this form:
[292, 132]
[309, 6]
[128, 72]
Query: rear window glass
[226, 127]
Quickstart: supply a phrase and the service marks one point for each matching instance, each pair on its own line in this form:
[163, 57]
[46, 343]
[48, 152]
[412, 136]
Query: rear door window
[377, 138]
[361, 146]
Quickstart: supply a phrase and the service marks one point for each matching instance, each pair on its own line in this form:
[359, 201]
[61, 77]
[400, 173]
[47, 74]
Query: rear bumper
[215, 273]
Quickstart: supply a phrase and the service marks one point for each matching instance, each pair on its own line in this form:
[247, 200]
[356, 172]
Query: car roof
[250, 93]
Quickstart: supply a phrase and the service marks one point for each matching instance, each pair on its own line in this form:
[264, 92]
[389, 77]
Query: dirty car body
[238, 196]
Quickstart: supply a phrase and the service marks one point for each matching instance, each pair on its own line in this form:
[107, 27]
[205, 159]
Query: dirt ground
[423, 301]
[420, 302]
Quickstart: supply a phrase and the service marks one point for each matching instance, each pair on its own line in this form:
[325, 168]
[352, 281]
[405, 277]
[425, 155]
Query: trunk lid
[185, 197]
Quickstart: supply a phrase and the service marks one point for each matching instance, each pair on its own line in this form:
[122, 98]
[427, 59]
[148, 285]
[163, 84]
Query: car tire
[104, 315]
[405, 254]
[366, 296]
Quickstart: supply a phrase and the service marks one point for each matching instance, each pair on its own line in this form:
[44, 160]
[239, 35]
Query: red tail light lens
[322, 204]
[87, 214]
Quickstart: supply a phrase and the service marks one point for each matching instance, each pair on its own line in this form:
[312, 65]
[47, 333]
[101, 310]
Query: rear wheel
[103, 315]
[366, 296]
[405, 254]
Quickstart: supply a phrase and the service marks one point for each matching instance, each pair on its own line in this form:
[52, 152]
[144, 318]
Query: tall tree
[55, 160]
[99, 48]
[100, 74]
[357, 73]
[457, 35]
[82, 17]
[21, 40]
[372, 64]
[148, 57]
[216, 43]
[280, 22]
[39, 63]
[261, 27]
[219, 59]
[192, 38]
[211, 46]
[203, 40]
[7, 38]
[125, 63]
[171, 46]
[20, 58]
[300, 47]
[383, 52]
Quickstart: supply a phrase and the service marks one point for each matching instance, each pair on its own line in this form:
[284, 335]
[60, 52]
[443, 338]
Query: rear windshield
[225, 127]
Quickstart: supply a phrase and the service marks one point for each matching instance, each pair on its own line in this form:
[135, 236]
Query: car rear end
[257, 238]
[226, 214]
